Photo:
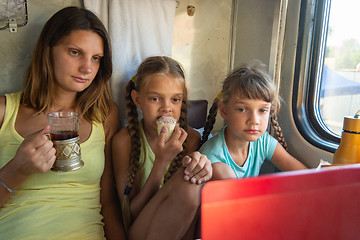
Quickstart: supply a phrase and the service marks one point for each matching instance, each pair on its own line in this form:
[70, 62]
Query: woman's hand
[36, 153]
[164, 151]
[198, 168]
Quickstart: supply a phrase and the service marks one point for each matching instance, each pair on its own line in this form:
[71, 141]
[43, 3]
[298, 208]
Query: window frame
[310, 51]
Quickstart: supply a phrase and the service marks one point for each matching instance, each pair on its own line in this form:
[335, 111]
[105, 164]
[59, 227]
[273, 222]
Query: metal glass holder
[68, 155]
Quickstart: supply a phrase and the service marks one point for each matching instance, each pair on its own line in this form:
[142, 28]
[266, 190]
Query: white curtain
[138, 29]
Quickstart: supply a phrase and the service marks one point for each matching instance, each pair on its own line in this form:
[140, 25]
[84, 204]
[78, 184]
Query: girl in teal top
[259, 150]
[247, 101]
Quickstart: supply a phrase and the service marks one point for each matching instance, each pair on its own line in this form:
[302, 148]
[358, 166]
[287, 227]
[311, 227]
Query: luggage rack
[13, 14]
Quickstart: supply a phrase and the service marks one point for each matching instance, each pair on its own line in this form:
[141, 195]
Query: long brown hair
[150, 66]
[253, 82]
[94, 102]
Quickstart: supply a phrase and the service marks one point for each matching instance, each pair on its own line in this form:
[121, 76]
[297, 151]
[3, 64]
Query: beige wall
[254, 28]
[16, 48]
[201, 44]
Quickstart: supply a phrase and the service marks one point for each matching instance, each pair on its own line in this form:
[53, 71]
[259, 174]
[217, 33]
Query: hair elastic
[133, 79]
[127, 190]
[7, 188]
[219, 95]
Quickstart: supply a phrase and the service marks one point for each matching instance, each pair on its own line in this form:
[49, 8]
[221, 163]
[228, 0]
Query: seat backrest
[197, 113]
[303, 204]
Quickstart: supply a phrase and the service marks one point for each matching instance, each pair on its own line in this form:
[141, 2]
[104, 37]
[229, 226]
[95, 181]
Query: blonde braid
[133, 127]
[211, 118]
[176, 163]
[276, 129]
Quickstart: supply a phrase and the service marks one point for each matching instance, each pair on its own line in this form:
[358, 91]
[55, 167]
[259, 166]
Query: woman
[70, 71]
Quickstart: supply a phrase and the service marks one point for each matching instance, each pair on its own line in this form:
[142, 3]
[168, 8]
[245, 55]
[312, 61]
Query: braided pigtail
[176, 163]
[275, 129]
[133, 127]
[210, 119]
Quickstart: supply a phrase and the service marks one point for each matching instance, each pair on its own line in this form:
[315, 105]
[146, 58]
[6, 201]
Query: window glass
[340, 83]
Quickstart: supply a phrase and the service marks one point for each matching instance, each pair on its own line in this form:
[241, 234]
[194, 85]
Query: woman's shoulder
[111, 123]
[113, 114]
[13, 99]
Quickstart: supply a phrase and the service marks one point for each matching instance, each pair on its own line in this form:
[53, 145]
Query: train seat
[304, 204]
[197, 113]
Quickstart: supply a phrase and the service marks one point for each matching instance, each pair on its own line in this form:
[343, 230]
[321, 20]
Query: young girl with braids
[247, 100]
[144, 160]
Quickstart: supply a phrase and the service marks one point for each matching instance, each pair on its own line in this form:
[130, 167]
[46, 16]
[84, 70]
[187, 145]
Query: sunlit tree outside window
[340, 83]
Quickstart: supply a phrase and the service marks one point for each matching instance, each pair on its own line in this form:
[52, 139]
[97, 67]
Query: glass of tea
[64, 133]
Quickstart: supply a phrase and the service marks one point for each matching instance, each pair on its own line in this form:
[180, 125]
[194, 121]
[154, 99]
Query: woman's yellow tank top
[53, 205]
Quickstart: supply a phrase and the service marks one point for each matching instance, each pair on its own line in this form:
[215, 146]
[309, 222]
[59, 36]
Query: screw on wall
[190, 10]
[12, 25]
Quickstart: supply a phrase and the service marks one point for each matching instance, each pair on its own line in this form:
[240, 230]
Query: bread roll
[169, 123]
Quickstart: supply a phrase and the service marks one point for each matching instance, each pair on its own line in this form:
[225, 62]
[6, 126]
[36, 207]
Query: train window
[340, 79]
[328, 56]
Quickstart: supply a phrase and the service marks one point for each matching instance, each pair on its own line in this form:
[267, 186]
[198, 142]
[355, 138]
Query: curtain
[138, 29]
